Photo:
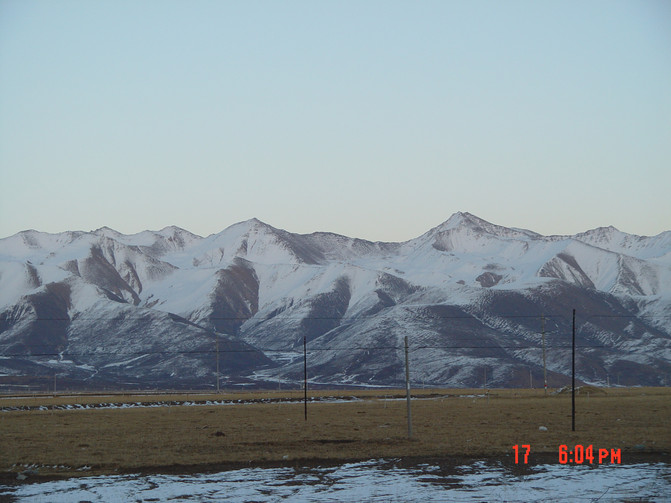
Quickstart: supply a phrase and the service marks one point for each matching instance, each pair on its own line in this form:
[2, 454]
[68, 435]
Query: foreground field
[56, 442]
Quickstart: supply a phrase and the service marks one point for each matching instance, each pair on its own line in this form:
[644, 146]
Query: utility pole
[407, 387]
[545, 370]
[217, 339]
[305, 376]
[573, 378]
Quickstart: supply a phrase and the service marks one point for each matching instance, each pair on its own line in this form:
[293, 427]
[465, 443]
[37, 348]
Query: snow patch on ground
[372, 481]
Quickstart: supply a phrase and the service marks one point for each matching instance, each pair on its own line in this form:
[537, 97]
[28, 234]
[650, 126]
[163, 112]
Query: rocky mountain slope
[154, 309]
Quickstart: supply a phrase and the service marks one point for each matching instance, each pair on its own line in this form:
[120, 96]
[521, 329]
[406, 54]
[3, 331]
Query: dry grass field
[445, 423]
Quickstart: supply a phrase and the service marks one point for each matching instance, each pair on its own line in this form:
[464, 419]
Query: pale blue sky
[371, 119]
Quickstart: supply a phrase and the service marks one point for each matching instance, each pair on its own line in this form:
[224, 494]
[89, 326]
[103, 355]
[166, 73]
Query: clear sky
[374, 119]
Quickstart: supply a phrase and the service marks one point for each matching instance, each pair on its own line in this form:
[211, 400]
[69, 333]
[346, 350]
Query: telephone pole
[305, 376]
[407, 387]
[217, 339]
[545, 370]
[573, 378]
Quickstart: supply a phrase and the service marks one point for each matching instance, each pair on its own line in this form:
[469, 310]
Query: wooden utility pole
[573, 378]
[545, 370]
[217, 339]
[305, 376]
[407, 387]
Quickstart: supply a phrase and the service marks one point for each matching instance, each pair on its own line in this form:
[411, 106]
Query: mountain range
[478, 302]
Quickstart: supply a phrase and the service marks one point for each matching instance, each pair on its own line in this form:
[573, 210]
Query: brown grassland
[445, 423]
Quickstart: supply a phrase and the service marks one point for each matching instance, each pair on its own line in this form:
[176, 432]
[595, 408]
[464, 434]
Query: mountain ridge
[457, 215]
[268, 288]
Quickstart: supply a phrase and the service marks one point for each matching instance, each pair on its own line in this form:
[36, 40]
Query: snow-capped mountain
[102, 308]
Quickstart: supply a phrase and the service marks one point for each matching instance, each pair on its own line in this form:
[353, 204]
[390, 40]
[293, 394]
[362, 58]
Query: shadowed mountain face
[166, 308]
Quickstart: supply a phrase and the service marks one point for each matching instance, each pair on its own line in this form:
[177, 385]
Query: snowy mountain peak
[253, 225]
[32, 244]
[107, 232]
[172, 230]
[259, 242]
[461, 218]
[466, 233]
[602, 233]
[465, 220]
[611, 239]
[269, 287]
[177, 236]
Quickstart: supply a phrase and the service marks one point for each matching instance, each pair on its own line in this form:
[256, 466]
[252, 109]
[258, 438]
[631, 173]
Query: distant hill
[146, 310]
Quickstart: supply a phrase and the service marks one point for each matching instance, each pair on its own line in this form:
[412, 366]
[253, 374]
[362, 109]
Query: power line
[64, 355]
[476, 317]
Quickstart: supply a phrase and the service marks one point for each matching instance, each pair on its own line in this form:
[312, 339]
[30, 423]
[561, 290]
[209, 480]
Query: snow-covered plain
[372, 481]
